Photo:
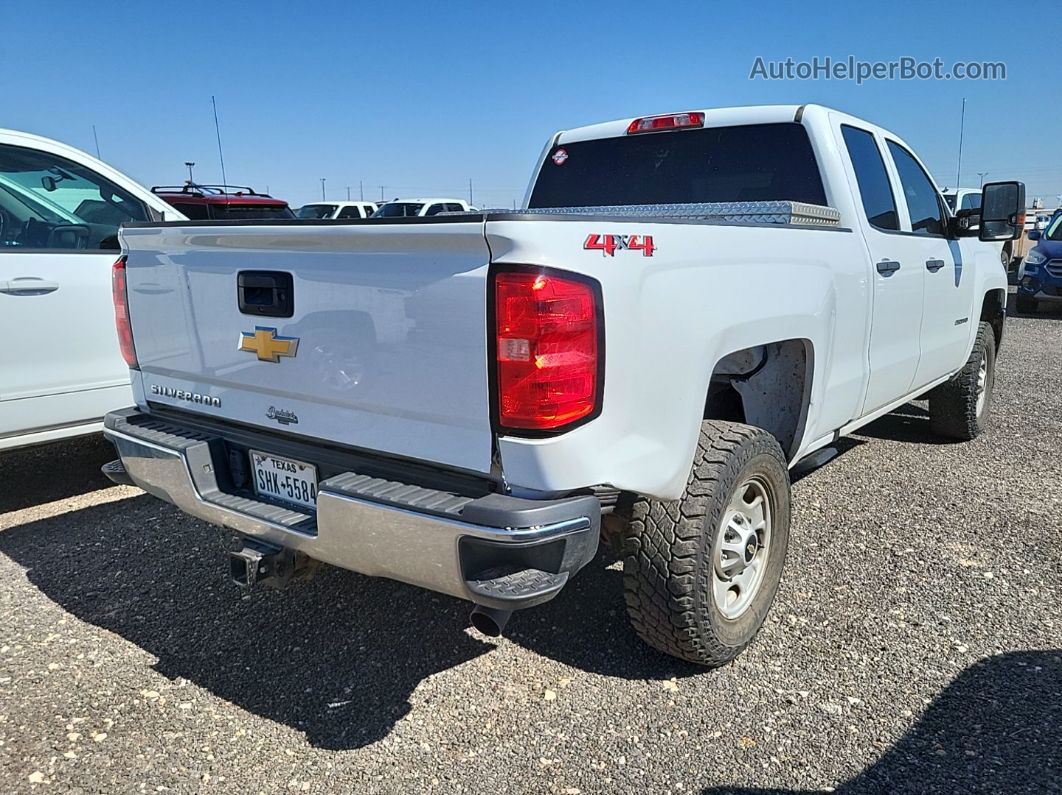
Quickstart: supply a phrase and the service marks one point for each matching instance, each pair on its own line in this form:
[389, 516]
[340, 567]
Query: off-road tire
[668, 548]
[953, 405]
[1025, 304]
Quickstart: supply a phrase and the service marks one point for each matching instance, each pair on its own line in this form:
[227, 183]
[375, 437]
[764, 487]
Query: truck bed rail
[766, 212]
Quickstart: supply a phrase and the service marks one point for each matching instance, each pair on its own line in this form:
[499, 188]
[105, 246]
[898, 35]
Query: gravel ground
[916, 645]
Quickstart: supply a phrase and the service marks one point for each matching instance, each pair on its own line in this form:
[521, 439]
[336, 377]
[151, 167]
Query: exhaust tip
[490, 620]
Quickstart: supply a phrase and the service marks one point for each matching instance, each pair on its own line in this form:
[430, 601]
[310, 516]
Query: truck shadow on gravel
[996, 728]
[336, 657]
[1046, 311]
[909, 423]
[30, 474]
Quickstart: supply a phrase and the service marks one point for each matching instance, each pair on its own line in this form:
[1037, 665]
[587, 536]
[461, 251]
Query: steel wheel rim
[742, 548]
[982, 382]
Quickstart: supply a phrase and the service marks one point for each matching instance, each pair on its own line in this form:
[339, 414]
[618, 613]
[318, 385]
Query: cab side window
[435, 209]
[49, 202]
[349, 212]
[874, 189]
[923, 204]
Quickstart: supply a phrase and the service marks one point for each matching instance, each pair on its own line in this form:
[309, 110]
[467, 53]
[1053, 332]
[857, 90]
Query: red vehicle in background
[222, 202]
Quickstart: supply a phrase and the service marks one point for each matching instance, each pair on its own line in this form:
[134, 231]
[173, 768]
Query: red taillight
[547, 344]
[121, 312]
[674, 121]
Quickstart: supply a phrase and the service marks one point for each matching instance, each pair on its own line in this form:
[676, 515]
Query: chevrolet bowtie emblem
[264, 342]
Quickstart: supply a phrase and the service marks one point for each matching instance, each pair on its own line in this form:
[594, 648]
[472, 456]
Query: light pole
[348, 192]
[982, 175]
[190, 163]
[322, 188]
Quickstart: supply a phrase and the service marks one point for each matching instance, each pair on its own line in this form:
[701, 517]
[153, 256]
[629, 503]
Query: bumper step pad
[516, 586]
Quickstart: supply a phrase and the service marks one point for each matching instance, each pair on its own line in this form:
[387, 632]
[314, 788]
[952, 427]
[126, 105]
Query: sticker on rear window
[560, 156]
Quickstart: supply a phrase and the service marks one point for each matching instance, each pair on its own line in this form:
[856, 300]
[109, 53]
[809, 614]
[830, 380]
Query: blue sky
[420, 97]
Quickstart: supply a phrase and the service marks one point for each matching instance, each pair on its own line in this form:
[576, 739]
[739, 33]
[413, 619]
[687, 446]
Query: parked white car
[323, 211]
[685, 307]
[61, 369]
[418, 208]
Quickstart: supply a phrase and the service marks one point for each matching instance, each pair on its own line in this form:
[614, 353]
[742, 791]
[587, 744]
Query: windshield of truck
[316, 211]
[1054, 228]
[398, 210]
[755, 162]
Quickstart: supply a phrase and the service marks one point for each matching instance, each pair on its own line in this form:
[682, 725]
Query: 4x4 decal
[608, 245]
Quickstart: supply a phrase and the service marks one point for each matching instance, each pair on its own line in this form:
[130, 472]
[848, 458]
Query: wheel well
[767, 386]
[993, 311]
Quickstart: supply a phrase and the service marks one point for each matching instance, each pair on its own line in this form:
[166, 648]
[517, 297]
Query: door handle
[28, 285]
[934, 265]
[887, 267]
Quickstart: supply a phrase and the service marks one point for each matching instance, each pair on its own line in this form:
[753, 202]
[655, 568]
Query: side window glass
[918, 190]
[971, 201]
[349, 212]
[435, 209]
[49, 202]
[878, 202]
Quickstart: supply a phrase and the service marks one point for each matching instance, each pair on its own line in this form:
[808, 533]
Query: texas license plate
[284, 479]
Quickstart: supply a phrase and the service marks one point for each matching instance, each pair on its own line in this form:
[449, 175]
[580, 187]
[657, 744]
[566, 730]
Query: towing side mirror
[1002, 211]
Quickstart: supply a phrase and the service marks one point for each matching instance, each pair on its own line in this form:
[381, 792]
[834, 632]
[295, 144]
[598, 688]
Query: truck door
[897, 273]
[948, 295]
[60, 363]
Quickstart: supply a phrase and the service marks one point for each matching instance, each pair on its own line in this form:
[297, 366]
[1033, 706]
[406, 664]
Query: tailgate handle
[266, 293]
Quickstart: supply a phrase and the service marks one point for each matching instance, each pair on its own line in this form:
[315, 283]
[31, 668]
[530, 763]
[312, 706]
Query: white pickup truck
[686, 306]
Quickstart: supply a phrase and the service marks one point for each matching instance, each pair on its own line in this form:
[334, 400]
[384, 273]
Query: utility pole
[97, 140]
[381, 193]
[322, 188]
[361, 191]
[348, 192]
[982, 175]
[962, 125]
[191, 179]
[470, 190]
[217, 129]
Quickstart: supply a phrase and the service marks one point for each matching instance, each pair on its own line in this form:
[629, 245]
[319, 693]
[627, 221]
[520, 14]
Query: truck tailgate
[385, 345]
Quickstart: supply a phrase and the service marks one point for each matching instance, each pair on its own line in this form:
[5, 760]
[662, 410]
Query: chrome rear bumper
[494, 550]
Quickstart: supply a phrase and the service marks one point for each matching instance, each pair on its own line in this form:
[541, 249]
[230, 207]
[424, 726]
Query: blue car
[1041, 273]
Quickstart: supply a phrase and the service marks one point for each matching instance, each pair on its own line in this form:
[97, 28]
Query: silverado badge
[264, 342]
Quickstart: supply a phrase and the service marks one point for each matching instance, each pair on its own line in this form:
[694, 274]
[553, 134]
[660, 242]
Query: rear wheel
[959, 408]
[700, 573]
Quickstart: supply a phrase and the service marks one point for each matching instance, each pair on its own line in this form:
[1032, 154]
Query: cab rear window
[754, 162]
